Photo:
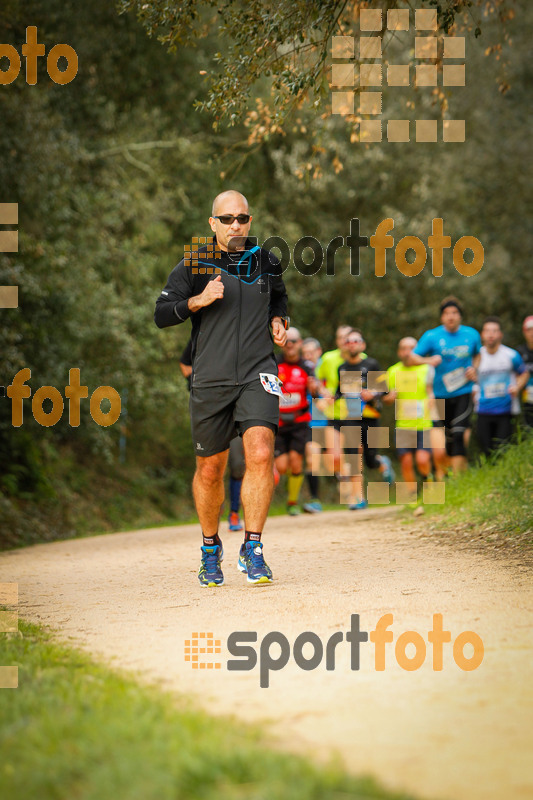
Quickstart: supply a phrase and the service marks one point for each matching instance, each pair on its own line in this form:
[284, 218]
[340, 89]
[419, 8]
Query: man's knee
[210, 470]
[422, 458]
[259, 448]
[282, 463]
[259, 455]
[406, 460]
[295, 462]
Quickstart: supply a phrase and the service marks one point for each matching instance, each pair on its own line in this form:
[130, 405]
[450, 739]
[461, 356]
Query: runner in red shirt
[298, 381]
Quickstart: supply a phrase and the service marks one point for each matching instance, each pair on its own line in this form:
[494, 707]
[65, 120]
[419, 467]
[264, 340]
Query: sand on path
[133, 600]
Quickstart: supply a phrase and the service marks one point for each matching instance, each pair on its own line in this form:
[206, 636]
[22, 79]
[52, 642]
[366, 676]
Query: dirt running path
[133, 598]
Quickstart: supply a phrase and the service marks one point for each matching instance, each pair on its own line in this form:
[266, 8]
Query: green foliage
[99, 232]
[75, 729]
[496, 493]
[289, 42]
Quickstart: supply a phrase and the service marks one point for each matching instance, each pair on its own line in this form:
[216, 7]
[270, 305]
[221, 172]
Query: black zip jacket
[231, 338]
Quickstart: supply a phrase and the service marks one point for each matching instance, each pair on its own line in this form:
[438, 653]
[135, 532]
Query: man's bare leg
[459, 464]
[406, 464]
[258, 481]
[440, 457]
[208, 490]
[334, 448]
[282, 463]
[423, 462]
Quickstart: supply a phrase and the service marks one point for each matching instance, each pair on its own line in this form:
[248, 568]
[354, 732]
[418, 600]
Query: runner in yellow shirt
[327, 372]
[411, 388]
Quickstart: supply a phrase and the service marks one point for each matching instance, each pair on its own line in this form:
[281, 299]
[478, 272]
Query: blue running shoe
[210, 573]
[358, 506]
[252, 562]
[313, 507]
[388, 473]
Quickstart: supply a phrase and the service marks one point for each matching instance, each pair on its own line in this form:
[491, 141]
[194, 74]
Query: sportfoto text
[31, 51]
[275, 649]
[74, 391]
[380, 242]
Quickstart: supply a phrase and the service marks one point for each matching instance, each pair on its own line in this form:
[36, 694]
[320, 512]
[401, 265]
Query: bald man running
[233, 291]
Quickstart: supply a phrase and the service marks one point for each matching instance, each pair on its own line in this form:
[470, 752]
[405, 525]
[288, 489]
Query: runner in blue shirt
[451, 348]
[501, 376]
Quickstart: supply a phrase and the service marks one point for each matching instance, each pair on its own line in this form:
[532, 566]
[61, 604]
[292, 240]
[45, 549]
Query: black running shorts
[457, 411]
[293, 436]
[219, 413]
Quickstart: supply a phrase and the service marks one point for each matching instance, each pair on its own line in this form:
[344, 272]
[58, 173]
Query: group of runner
[305, 410]
[331, 404]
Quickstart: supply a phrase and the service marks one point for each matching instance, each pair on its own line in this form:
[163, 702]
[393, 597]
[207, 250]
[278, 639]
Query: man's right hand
[434, 361]
[213, 291]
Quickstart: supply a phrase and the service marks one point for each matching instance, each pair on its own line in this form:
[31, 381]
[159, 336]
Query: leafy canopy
[287, 43]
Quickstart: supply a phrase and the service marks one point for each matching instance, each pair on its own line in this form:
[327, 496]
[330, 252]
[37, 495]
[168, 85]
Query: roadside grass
[76, 729]
[90, 503]
[495, 495]
[126, 507]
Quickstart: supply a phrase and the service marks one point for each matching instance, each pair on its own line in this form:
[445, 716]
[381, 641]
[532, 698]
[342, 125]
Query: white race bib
[270, 383]
[292, 400]
[455, 379]
[494, 390]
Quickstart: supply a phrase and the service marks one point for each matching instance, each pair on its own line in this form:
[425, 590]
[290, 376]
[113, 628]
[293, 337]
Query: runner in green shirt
[327, 372]
[411, 389]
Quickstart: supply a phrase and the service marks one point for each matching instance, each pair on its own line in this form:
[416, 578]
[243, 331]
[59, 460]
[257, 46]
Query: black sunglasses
[229, 219]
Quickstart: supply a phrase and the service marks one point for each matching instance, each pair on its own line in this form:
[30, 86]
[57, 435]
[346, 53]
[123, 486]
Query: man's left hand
[279, 334]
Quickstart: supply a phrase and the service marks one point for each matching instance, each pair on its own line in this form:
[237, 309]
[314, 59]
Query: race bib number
[290, 400]
[495, 390]
[270, 383]
[410, 409]
[455, 379]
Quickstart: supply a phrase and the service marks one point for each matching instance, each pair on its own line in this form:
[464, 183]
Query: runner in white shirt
[501, 376]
